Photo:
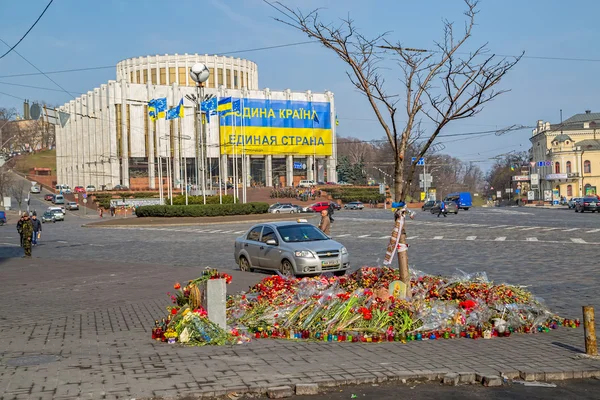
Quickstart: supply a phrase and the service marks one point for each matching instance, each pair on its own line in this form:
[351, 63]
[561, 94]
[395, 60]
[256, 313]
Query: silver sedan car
[285, 209]
[291, 247]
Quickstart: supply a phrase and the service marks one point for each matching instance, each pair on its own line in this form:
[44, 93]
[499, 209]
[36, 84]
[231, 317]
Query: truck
[462, 199]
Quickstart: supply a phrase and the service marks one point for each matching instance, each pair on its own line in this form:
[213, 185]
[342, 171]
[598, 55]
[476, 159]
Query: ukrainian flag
[225, 105]
[157, 108]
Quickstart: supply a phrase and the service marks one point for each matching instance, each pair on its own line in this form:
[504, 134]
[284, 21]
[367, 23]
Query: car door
[269, 255]
[251, 245]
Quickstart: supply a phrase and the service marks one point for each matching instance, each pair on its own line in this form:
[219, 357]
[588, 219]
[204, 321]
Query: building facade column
[269, 170]
[310, 168]
[331, 169]
[124, 136]
[289, 170]
[248, 171]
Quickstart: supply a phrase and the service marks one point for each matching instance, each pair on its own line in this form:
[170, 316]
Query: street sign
[76, 195]
[509, 190]
[421, 160]
[535, 179]
[381, 188]
[84, 195]
[521, 178]
[498, 193]
[297, 165]
[84, 201]
[517, 191]
[531, 195]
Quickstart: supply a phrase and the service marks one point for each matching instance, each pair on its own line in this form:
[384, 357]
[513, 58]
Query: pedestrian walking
[20, 230]
[325, 224]
[330, 211]
[27, 229]
[112, 210]
[37, 229]
[442, 209]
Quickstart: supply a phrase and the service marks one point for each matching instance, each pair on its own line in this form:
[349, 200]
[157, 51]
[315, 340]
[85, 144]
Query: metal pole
[186, 181]
[202, 154]
[170, 177]
[198, 121]
[220, 178]
[589, 329]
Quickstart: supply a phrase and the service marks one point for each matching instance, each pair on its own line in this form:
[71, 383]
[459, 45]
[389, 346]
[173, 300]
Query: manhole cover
[27, 361]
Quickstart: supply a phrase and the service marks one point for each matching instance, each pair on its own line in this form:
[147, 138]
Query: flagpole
[244, 162]
[159, 155]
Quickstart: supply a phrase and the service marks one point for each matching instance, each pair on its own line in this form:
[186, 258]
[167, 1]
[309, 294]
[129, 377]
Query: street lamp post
[199, 74]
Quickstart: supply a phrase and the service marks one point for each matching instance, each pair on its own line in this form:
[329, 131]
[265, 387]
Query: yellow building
[570, 154]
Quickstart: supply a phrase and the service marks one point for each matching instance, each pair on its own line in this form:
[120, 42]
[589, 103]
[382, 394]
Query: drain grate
[27, 361]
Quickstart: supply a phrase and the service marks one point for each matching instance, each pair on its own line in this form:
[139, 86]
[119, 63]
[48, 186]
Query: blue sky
[79, 34]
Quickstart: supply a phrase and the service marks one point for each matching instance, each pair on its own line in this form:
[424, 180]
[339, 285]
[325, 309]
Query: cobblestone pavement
[76, 319]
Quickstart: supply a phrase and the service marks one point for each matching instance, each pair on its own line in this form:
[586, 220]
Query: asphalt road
[553, 251]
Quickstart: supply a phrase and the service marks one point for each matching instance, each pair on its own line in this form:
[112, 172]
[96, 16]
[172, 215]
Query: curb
[488, 378]
[96, 225]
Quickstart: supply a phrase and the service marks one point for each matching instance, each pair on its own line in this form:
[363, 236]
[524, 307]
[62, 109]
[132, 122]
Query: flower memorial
[359, 308]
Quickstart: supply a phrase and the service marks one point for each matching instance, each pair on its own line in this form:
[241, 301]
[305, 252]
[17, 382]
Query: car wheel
[291, 212]
[455, 212]
[276, 211]
[286, 268]
[340, 273]
[245, 265]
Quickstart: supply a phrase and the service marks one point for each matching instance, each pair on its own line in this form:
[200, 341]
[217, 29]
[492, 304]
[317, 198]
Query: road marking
[530, 228]
[578, 240]
[471, 238]
[61, 241]
[411, 237]
[385, 237]
[438, 237]
[513, 227]
[570, 230]
[500, 239]
[364, 236]
[97, 245]
[227, 231]
[344, 235]
[532, 239]
[550, 229]
[239, 232]
[10, 244]
[215, 231]
[593, 230]
[496, 227]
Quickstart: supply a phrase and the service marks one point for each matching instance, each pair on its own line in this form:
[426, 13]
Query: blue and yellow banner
[277, 127]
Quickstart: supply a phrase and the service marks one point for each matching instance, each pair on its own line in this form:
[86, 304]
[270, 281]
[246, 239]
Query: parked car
[71, 205]
[588, 204]
[336, 206]
[35, 189]
[285, 209]
[3, 219]
[276, 205]
[59, 214]
[428, 204]
[291, 247]
[48, 197]
[320, 206]
[462, 199]
[305, 183]
[354, 205]
[451, 207]
[90, 188]
[49, 217]
[79, 189]
[571, 203]
[120, 187]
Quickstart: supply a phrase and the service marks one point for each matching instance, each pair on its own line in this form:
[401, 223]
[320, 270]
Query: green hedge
[209, 210]
[356, 194]
[180, 200]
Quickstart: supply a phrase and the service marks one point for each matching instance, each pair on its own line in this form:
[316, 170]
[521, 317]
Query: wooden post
[589, 329]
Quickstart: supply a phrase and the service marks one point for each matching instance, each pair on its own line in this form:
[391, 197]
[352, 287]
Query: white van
[58, 199]
[306, 183]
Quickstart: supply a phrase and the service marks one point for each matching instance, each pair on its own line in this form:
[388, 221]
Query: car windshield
[301, 233]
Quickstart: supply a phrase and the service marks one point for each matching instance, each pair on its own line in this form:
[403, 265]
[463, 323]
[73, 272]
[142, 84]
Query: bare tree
[18, 191]
[441, 86]
[6, 183]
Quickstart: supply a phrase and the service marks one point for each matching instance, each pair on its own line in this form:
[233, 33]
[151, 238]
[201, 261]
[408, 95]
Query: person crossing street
[325, 224]
[27, 233]
[20, 230]
[443, 209]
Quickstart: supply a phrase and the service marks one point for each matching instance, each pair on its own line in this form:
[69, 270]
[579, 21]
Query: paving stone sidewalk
[82, 330]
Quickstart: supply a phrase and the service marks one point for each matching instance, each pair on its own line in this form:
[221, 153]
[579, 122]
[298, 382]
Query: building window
[243, 81]
[172, 75]
[557, 167]
[153, 75]
[145, 76]
[137, 76]
[211, 78]
[569, 190]
[568, 167]
[219, 76]
[163, 76]
[182, 76]
[228, 78]
[235, 80]
[587, 167]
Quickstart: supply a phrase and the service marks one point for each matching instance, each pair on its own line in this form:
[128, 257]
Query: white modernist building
[109, 138]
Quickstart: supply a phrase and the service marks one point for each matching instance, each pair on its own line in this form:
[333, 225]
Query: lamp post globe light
[199, 74]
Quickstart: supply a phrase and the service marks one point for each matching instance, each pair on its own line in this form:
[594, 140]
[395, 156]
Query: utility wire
[26, 33]
[59, 72]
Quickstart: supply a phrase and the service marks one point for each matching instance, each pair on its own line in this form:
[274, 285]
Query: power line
[59, 72]
[29, 30]
[32, 87]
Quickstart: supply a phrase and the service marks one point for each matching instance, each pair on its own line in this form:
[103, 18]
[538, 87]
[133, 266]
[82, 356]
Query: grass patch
[42, 159]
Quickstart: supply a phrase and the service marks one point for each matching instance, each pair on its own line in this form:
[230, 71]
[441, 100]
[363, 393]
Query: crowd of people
[30, 231]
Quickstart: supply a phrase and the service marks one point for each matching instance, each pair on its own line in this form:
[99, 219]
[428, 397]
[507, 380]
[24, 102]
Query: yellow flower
[184, 336]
